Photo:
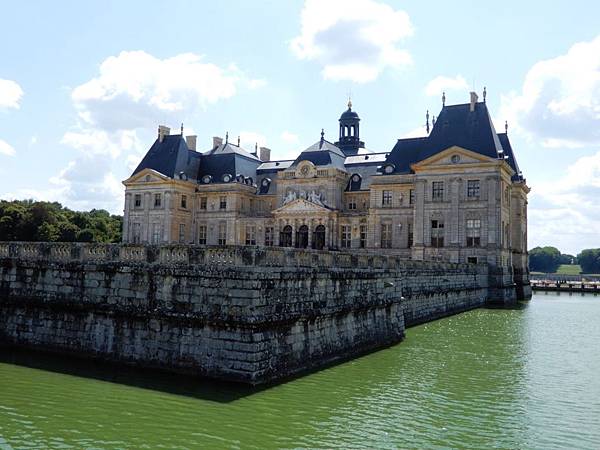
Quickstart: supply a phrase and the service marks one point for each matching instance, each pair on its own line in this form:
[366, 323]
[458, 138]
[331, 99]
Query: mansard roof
[229, 148]
[322, 153]
[170, 158]
[456, 125]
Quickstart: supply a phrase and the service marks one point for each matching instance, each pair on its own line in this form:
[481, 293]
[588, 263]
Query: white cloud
[103, 143]
[566, 212]
[10, 94]
[441, 83]
[352, 39]
[289, 137]
[249, 139]
[559, 103]
[138, 90]
[6, 148]
[417, 132]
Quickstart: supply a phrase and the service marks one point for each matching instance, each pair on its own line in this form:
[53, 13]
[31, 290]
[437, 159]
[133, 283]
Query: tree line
[548, 259]
[28, 220]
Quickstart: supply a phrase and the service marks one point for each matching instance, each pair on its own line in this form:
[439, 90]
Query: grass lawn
[569, 269]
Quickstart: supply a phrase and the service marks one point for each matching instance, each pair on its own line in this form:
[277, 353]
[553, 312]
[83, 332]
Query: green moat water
[520, 378]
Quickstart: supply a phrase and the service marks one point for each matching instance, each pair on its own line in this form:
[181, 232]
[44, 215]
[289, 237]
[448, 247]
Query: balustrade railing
[214, 256]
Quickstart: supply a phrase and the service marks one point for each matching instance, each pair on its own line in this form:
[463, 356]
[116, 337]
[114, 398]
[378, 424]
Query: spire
[322, 134]
[484, 93]
[443, 98]
[182, 128]
[349, 103]
[226, 137]
[427, 121]
[238, 140]
[506, 126]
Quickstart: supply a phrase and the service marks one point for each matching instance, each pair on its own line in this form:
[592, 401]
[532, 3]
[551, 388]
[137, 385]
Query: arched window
[319, 237]
[302, 237]
[285, 237]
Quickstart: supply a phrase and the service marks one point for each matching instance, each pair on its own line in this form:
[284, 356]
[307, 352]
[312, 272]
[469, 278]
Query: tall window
[223, 202]
[411, 197]
[156, 233]
[386, 235]
[181, 233]
[473, 233]
[346, 236]
[137, 233]
[437, 191]
[222, 233]
[202, 202]
[386, 199]
[352, 203]
[437, 233]
[184, 201]
[202, 234]
[409, 243]
[363, 236]
[138, 201]
[157, 200]
[285, 236]
[269, 236]
[472, 188]
[250, 235]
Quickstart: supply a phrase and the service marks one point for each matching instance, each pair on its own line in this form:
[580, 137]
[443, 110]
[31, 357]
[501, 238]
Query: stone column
[419, 220]
[126, 212]
[455, 224]
[145, 231]
[168, 216]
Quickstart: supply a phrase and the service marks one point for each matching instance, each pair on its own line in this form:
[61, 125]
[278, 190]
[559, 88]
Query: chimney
[162, 132]
[473, 101]
[217, 141]
[265, 154]
[191, 142]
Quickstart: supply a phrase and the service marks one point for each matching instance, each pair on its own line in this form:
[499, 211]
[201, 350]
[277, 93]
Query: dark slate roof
[456, 125]
[228, 148]
[322, 153]
[170, 157]
[510, 156]
[349, 115]
[274, 166]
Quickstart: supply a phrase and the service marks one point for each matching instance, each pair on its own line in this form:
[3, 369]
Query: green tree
[544, 259]
[589, 260]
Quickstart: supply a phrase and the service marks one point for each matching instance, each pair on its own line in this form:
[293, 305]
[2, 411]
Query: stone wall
[238, 313]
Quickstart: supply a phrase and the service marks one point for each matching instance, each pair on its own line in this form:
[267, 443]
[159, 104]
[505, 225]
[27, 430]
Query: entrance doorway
[319, 237]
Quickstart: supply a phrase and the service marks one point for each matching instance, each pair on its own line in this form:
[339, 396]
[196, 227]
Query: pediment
[146, 176]
[452, 156]
[301, 206]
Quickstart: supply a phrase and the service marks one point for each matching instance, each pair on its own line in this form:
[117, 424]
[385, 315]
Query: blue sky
[84, 85]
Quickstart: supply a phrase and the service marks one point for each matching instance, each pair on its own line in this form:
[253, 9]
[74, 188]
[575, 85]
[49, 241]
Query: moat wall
[240, 313]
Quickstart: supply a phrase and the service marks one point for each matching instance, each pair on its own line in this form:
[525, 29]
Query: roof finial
[238, 140]
[506, 126]
[256, 147]
[433, 121]
[226, 137]
[322, 134]
[484, 93]
[443, 98]
[182, 128]
[427, 121]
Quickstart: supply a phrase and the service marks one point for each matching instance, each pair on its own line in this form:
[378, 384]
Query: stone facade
[246, 314]
[456, 195]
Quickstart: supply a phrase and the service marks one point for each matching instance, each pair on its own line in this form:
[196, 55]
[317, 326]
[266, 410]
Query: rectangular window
[473, 233]
[181, 233]
[250, 235]
[346, 236]
[202, 234]
[222, 202]
[386, 235]
[352, 204]
[409, 243]
[184, 201]
[156, 233]
[472, 259]
[472, 188]
[222, 233]
[269, 236]
[138, 201]
[386, 199]
[363, 236]
[203, 202]
[137, 233]
[411, 197]
[437, 191]
[157, 200]
[437, 233]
